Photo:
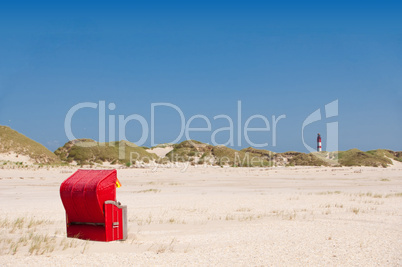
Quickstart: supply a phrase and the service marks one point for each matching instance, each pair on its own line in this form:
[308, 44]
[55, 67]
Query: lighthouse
[318, 142]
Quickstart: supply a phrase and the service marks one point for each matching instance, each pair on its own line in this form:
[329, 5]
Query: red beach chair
[92, 212]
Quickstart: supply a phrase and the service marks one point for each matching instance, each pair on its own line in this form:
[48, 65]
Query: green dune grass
[87, 151]
[12, 141]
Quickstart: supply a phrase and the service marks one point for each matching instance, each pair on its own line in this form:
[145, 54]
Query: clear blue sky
[276, 57]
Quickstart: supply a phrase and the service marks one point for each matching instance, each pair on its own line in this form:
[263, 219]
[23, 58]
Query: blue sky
[278, 58]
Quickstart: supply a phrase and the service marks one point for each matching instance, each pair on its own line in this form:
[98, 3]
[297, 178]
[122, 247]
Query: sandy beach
[214, 216]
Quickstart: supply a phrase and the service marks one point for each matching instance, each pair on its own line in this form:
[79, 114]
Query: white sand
[216, 216]
[160, 151]
[13, 157]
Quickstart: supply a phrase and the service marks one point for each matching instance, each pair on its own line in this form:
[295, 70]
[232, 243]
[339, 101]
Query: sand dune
[216, 216]
[160, 151]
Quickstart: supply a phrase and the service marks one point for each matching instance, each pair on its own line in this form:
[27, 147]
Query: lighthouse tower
[318, 142]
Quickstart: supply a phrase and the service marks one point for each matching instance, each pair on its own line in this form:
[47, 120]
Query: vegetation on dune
[200, 153]
[12, 141]
[356, 157]
[352, 157]
[302, 159]
[261, 152]
[87, 151]
[232, 157]
[189, 149]
[192, 150]
[395, 155]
